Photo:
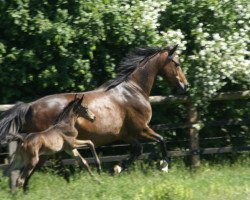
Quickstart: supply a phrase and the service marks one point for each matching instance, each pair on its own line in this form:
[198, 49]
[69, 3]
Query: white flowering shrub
[215, 37]
[172, 37]
[215, 42]
[220, 59]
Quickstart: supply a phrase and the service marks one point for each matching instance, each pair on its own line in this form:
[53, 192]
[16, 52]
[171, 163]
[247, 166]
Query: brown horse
[121, 105]
[59, 137]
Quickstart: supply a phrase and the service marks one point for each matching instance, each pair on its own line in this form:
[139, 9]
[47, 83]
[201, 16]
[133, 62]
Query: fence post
[194, 135]
[15, 173]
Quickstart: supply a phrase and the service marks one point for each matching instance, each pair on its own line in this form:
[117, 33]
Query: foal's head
[81, 110]
[171, 70]
[76, 108]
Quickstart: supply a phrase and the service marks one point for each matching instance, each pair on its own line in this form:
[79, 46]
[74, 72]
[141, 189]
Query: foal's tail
[12, 121]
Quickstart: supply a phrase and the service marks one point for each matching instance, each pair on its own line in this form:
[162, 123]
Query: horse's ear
[172, 50]
[75, 96]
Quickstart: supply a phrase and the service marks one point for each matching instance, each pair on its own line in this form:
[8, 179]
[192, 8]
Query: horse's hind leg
[82, 143]
[10, 168]
[16, 163]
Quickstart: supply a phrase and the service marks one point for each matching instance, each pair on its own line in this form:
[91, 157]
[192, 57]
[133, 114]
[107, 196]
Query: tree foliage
[62, 45]
[54, 46]
[58, 46]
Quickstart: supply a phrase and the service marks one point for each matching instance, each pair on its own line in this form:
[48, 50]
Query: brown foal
[59, 137]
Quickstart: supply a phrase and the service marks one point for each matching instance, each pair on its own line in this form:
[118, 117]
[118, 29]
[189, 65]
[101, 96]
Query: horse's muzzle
[182, 89]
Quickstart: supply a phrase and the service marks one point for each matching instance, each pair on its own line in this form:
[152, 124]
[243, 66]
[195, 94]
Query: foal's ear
[172, 50]
[82, 97]
[75, 96]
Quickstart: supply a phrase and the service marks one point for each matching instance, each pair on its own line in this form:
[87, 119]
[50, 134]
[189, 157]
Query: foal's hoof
[99, 170]
[164, 165]
[117, 169]
[20, 183]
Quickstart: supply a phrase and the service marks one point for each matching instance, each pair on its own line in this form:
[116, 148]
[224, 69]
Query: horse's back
[109, 107]
[45, 110]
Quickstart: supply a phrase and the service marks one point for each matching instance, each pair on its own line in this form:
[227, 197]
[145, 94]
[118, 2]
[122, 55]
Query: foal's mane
[131, 61]
[65, 112]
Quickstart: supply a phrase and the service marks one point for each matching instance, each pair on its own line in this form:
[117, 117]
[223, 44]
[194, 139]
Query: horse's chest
[141, 112]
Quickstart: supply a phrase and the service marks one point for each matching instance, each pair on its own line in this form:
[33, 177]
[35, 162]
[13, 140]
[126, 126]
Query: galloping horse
[121, 105]
[59, 137]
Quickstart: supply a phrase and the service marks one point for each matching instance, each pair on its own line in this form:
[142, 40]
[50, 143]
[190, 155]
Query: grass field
[210, 182]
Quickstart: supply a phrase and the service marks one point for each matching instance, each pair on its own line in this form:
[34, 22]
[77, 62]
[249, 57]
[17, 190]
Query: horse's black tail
[17, 136]
[12, 121]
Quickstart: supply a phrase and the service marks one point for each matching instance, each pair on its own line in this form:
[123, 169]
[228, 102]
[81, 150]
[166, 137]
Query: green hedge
[54, 46]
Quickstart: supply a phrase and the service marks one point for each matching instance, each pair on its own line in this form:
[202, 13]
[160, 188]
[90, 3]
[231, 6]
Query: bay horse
[121, 105]
[59, 137]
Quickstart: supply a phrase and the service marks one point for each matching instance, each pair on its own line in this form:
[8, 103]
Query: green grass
[210, 182]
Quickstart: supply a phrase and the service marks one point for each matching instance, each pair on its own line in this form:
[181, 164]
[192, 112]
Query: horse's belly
[100, 132]
[99, 139]
[110, 116]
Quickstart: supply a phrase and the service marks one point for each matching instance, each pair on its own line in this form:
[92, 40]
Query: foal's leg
[42, 160]
[83, 143]
[81, 160]
[26, 172]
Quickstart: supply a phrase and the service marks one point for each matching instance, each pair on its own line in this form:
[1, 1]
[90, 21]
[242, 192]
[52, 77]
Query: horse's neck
[144, 77]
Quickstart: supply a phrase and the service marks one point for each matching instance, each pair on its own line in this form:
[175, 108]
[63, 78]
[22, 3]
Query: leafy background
[55, 46]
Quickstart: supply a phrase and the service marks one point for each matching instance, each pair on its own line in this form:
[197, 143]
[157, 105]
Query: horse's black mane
[65, 111]
[130, 63]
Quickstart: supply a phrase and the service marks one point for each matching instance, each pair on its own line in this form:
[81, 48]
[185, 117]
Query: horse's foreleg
[82, 143]
[136, 150]
[148, 133]
[81, 160]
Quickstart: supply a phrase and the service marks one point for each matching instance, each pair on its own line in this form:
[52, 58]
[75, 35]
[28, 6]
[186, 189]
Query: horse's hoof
[117, 169]
[164, 165]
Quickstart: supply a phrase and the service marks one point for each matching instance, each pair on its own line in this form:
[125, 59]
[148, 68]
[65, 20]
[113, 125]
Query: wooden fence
[191, 125]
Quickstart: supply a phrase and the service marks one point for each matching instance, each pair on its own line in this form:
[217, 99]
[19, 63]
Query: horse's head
[82, 110]
[171, 71]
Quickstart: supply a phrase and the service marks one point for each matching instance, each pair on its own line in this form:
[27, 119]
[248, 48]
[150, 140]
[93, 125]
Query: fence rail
[119, 158]
[192, 120]
[154, 100]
